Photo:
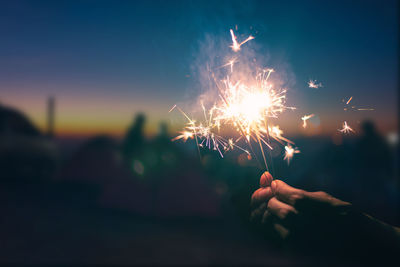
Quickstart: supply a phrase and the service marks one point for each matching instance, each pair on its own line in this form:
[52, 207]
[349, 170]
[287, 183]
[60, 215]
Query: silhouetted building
[24, 153]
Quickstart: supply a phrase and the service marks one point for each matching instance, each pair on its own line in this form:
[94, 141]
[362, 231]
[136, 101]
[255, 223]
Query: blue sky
[105, 60]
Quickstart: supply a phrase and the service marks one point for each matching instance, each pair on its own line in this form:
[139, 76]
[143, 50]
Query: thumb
[286, 193]
[303, 200]
[266, 179]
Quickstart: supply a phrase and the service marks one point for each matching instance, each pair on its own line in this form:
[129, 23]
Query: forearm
[386, 235]
[377, 239]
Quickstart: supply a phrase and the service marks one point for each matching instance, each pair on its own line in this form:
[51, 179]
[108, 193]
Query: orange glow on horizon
[89, 116]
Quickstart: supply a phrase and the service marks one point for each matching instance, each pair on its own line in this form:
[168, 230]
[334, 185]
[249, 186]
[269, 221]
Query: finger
[273, 228]
[254, 196]
[264, 224]
[305, 201]
[257, 214]
[323, 197]
[266, 179]
[267, 217]
[286, 193]
[282, 231]
[284, 212]
[261, 195]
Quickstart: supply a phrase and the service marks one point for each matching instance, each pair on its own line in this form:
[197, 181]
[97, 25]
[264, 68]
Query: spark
[346, 128]
[354, 108]
[276, 133]
[205, 134]
[235, 45]
[251, 104]
[185, 135]
[305, 118]
[230, 63]
[248, 106]
[289, 152]
[172, 109]
[247, 103]
[314, 84]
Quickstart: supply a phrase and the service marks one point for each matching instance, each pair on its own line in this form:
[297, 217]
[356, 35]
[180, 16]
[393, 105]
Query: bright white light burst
[246, 104]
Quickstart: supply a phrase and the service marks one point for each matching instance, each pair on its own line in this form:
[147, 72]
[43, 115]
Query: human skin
[319, 222]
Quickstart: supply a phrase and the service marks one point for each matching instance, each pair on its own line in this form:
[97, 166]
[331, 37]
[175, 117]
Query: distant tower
[50, 116]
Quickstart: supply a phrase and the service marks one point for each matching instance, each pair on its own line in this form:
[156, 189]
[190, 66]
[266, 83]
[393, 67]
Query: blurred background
[89, 174]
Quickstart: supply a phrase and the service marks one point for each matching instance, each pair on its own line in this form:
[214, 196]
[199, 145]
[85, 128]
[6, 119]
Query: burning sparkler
[305, 118]
[205, 133]
[346, 128]
[246, 104]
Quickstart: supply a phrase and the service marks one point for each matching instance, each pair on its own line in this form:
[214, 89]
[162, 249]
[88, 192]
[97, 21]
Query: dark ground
[139, 201]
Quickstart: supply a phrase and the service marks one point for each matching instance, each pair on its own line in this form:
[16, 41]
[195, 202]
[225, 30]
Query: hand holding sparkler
[318, 222]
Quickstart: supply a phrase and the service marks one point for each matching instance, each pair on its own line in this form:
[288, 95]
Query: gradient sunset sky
[104, 61]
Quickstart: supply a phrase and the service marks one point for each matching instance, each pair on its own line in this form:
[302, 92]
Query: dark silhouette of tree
[14, 122]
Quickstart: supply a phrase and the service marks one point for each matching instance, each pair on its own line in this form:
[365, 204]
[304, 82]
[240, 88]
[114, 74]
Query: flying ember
[314, 84]
[305, 118]
[346, 128]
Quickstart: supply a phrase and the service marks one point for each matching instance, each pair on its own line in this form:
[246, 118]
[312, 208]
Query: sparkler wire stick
[269, 152]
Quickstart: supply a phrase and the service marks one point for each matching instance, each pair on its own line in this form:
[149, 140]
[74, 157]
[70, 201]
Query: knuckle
[277, 187]
[271, 203]
[323, 194]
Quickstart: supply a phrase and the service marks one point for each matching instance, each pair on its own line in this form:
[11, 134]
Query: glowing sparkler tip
[246, 105]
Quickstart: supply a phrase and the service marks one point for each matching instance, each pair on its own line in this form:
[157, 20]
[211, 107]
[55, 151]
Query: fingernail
[265, 179]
